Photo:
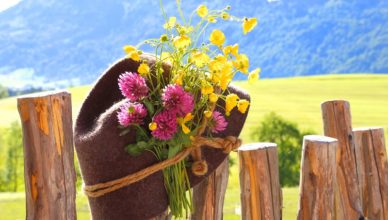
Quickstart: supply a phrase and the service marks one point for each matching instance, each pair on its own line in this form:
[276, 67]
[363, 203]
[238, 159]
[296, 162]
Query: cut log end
[319, 139]
[335, 101]
[256, 146]
[43, 95]
[372, 129]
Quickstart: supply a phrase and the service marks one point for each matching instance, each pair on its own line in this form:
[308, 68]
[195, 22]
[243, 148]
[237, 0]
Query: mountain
[52, 43]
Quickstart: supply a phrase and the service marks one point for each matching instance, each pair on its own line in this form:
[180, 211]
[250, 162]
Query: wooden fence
[344, 174]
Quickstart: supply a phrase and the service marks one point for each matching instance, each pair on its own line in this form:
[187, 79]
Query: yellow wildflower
[181, 41]
[143, 69]
[230, 103]
[200, 58]
[221, 71]
[217, 37]
[217, 63]
[225, 15]
[241, 63]
[208, 113]
[221, 58]
[152, 126]
[242, 105]
[134, 56]
[231, 50]
[179, 77]
[226, 75]
[132, 52]
[182, 122]
[213, 97]
[224, 82]
[249, 24]
[164, 38]
[185, 129]
[207, 89]
[183, 30]
[212, 19]
[170, 24]
[166, 57]
[202, 11]
[129, 48]
[215, 66]
[254, 75]
[179, 80]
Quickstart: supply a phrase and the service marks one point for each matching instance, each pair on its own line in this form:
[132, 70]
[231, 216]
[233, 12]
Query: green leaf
[142, 145]
[182, 139]
[149, 106]
[141, 134]
[173, 150]
[133, 150]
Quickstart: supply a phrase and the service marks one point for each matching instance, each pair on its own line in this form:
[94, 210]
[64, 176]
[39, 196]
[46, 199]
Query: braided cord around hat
[226, 144]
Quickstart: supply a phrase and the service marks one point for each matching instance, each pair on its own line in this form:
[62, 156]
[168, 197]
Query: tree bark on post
[49, 156]
[317, 178]
[209, 195]
[338, 124]
[373, 172]
[261, 195]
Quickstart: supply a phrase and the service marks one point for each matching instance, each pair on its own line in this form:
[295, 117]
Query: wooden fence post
[372, 172]
[317, 178]
[338, 124]
[261, 195]
[48, 156]
[209, 195]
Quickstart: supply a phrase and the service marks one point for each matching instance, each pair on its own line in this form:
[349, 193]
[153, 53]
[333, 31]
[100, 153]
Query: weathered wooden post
[317, 178]
[209, 195]
[48, 156]
[261, 195]
[338, 124]
[372, 171]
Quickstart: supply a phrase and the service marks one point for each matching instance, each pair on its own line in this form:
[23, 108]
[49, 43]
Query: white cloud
[5, 4]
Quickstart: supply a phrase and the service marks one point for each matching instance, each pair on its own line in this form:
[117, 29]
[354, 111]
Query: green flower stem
[176, 182]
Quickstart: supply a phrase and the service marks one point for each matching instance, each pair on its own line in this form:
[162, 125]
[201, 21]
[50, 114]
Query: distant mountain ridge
[61, 43]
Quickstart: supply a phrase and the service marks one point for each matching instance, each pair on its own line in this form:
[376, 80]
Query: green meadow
[297, 99]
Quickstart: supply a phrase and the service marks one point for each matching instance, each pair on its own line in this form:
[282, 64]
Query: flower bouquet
[156, 124]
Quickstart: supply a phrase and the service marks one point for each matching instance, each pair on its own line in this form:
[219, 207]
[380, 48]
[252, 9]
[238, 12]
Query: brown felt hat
[102, 156]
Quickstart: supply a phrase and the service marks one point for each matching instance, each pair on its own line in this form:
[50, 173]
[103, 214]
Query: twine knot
[199, 168]
[231, 143]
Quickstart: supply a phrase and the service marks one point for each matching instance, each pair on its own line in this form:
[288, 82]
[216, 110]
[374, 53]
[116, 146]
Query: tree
[13, 175]
[2, 162]
[289, 139]
[3, 92]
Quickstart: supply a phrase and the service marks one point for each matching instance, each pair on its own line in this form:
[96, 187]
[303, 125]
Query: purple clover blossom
[133, 86]
[176, 99]
[218, 122]
[166, 125]
[131, 113]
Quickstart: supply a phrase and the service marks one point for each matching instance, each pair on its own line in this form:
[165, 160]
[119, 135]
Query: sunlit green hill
[296, 99]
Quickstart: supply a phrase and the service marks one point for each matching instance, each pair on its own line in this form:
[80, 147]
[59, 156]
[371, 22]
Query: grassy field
[296, 99]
